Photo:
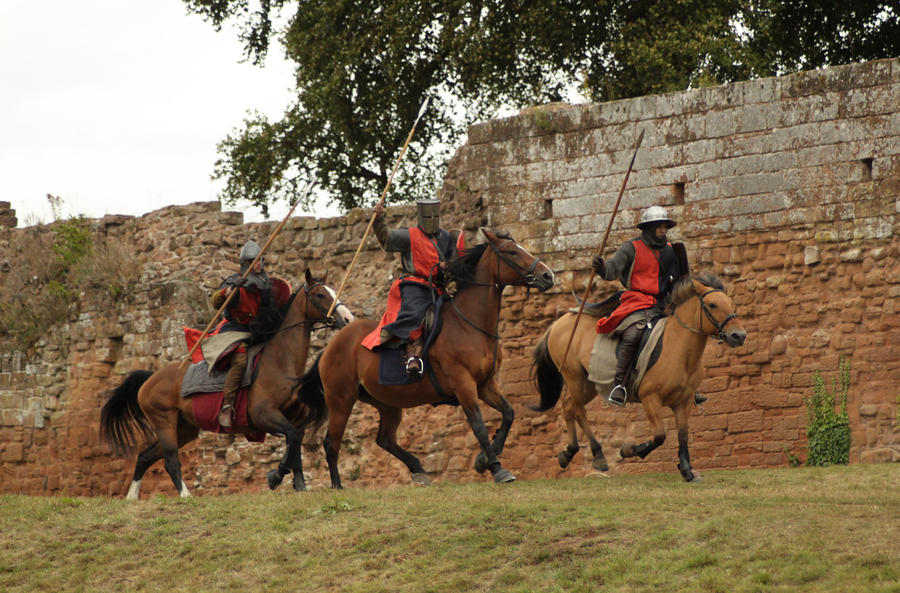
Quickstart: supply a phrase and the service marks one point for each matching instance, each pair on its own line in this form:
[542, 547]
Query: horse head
[717, 316]
[319, 300]
[515, 265]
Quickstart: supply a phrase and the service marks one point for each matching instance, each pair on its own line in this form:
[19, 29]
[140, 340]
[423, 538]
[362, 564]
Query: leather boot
[631, 339]
[232, 386]
[414, 365]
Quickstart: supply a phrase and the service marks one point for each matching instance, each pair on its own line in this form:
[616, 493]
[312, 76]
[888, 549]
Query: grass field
[835, 529]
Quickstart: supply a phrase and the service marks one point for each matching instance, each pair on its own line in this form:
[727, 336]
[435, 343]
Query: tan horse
[702, 310]
[150, 405]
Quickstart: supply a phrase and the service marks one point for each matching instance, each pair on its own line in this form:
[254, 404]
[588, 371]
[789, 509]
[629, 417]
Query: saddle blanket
[603, 361]
[206, 406]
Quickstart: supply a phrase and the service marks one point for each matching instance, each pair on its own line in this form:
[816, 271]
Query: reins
[720, 327]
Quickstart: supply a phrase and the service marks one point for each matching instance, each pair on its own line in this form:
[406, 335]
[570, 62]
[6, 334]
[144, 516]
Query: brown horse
[702, 309]
[464, 359]
[150, 405]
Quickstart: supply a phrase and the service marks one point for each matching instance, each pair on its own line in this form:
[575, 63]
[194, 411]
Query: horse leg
[273, 421]
[491, 395]
[466, 399]
[566, 455]
[145, 459]
[580, 393]
[388, 421]
[682, 413]
[652, 408]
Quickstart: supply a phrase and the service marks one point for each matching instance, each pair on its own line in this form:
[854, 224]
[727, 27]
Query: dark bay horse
[148, 405]
[465, 358]
[702, 310]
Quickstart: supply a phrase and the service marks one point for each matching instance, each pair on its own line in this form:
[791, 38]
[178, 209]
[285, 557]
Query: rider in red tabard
[423, 249]
[648, 267]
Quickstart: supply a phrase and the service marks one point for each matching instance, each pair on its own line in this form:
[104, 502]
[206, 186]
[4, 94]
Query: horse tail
[121, 419]
[545, 376]
[311, 393]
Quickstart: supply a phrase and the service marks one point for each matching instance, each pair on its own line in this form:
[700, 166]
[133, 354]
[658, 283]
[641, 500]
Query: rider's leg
[232, 385]
[414, 364]
[631, 338]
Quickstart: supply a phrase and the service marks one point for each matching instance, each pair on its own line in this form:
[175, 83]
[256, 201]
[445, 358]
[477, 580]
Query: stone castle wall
[788, 188]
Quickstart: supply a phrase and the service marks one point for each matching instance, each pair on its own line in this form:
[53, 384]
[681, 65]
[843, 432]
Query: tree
[363, 68]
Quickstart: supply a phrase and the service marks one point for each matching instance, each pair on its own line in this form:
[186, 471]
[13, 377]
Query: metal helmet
[248, 253]
[429, 214]
[655, 214]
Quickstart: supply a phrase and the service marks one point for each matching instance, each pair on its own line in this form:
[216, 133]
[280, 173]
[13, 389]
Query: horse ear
[488, 234]
[308, 276]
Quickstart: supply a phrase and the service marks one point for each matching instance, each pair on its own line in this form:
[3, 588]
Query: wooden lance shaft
[612, 217]
[380, 201]
[233, 291]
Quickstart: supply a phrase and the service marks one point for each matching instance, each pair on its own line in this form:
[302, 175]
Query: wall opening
[867, 168]
[546, 210]
[678, 193]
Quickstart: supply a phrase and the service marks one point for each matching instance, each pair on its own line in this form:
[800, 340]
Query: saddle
[605, 353]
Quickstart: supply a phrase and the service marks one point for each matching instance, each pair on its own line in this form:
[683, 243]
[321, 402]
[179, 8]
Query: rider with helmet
[423, 249]
[648, 267]
[254, 291]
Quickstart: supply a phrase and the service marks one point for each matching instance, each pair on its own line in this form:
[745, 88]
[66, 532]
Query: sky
[116, 106]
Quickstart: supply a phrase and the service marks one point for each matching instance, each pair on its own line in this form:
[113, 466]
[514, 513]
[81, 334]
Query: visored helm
[429, 214]
[248, 253]
[653, 215]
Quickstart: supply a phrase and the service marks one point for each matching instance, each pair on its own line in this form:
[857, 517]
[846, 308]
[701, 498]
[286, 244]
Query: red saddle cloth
[206, 406]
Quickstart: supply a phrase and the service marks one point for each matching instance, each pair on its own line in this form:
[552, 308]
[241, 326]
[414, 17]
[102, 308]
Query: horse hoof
[600, 465]
[421, 479]
[563, 460]
[481, 463]
[695, 478]
[299, 484]
[274, 479]
[504, 476]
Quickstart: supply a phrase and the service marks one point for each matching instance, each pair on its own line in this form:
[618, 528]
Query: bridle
[326, 321]
[720, 327]
[526, 273]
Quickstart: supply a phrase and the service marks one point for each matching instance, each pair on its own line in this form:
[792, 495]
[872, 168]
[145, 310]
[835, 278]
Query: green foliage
[829, 430]
[73, 241]
[364, 67]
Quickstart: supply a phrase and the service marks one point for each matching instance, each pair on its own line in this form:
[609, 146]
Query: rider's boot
[232, 386]
[414, 365]
[631, 338]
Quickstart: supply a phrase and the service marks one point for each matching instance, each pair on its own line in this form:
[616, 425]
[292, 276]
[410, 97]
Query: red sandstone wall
[791, 193]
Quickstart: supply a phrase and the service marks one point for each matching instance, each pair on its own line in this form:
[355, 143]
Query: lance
[380, 201]
[245, 274]
[602, 247]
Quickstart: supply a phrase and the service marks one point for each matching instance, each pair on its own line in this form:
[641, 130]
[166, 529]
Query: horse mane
[462, 268]
[268, 320]
[684, 287]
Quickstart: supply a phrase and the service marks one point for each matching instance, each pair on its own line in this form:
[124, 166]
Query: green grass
[810, 529]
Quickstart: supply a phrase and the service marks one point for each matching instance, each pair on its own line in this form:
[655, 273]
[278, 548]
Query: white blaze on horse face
[540, 264]
[134, 491]
[342, 311]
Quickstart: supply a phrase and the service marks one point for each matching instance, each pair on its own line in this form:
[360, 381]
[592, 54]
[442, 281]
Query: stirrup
[618, 395]
[414, 366]
[226, 416]
[699, 399]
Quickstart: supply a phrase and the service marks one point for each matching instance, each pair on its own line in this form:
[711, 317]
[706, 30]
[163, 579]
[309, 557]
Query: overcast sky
[116, 106]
